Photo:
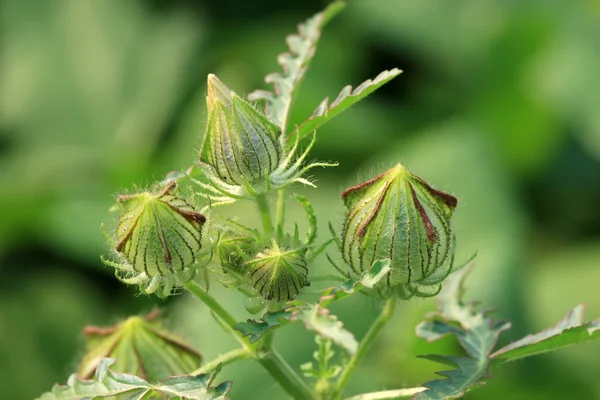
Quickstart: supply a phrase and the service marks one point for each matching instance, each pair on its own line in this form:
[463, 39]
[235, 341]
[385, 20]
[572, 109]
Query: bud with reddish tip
[398, 216]
[140, 347]
[157, 240]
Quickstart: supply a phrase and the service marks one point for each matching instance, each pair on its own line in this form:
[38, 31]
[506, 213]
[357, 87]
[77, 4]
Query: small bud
[279, 274]
[140, 347]
[234, 252]
[240, 145]
[397, 215]
[158, 238]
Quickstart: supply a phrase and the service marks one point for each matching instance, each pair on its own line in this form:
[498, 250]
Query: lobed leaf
[270, 320]
[476, 332]
[347, 98]
[320, 320]
[569, 331]
[108, 384]
[479, 334]
[302, 47]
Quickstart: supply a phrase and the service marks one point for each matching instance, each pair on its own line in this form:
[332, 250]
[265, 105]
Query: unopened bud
[279, 274]
[158, 238]
[397, 215]
[140, 347]
[241, 145]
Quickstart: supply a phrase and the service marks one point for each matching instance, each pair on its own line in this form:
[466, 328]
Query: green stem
[285, 375]
[388, 394]
[227, 358]
[280, 214]
[364, 345]
[268, 358]
[227, 319]
[265, 214]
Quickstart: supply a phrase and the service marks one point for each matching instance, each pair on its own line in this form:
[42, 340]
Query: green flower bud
[397, 215]
[279, 274]
[234, 252]
[158, 238]
[241, 146]
[140, 347]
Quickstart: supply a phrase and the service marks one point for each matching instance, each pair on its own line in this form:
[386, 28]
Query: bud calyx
[397, 215]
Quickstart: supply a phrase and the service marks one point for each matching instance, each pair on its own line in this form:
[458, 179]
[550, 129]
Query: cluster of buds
[158, 240]
[398, 216]
[243, 153]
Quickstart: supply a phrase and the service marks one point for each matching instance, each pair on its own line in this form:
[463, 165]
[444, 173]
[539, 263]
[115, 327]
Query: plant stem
[265, 214]
[267, 357]
[228, 321]
[285, 375]
[280, 213]
[388, 394]
[227, 358]
[376, 327]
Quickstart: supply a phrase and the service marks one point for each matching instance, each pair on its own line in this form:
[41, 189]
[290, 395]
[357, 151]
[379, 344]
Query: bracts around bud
[157, 240]
[243, 152]
[397, 215]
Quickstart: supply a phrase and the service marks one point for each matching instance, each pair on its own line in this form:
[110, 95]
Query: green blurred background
[498, 105]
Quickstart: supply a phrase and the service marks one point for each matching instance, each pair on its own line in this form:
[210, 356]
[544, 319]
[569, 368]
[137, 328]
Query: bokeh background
[498, 104]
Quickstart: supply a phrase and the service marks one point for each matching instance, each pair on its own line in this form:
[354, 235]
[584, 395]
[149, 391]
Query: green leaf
[347, 97]
[368, 279]
[270, 320]
[479, 334]
[569, 331]
[476, 332]
[302, 47]
[318, 319]
[108, 383]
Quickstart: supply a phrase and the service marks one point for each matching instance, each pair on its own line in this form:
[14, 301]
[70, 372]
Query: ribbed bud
[240, 145]
[158, 238]
[140, 347]
[279, 274]
[397, 215]
[234, 252]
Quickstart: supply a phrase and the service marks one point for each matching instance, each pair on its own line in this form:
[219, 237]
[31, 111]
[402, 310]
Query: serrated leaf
[368, 279]
[270, 320]
[569, 331]
[319, 319]
[312, 219]
[108, 384]
[347, 98]
[479, 334]
[476, 332]
[302, 48]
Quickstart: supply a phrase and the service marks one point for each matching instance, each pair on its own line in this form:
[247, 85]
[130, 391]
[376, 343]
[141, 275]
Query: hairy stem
[227, 358]
[267, 357]
[280, 213]
[388, 394]
[376, 327]
[265, 214]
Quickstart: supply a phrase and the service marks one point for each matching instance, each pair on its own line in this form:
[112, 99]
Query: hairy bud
[141, 347]
[241, 145]
[158, 238]
[397, 215]
[279, 274]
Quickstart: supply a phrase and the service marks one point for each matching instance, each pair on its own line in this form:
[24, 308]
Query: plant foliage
[109, 383]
